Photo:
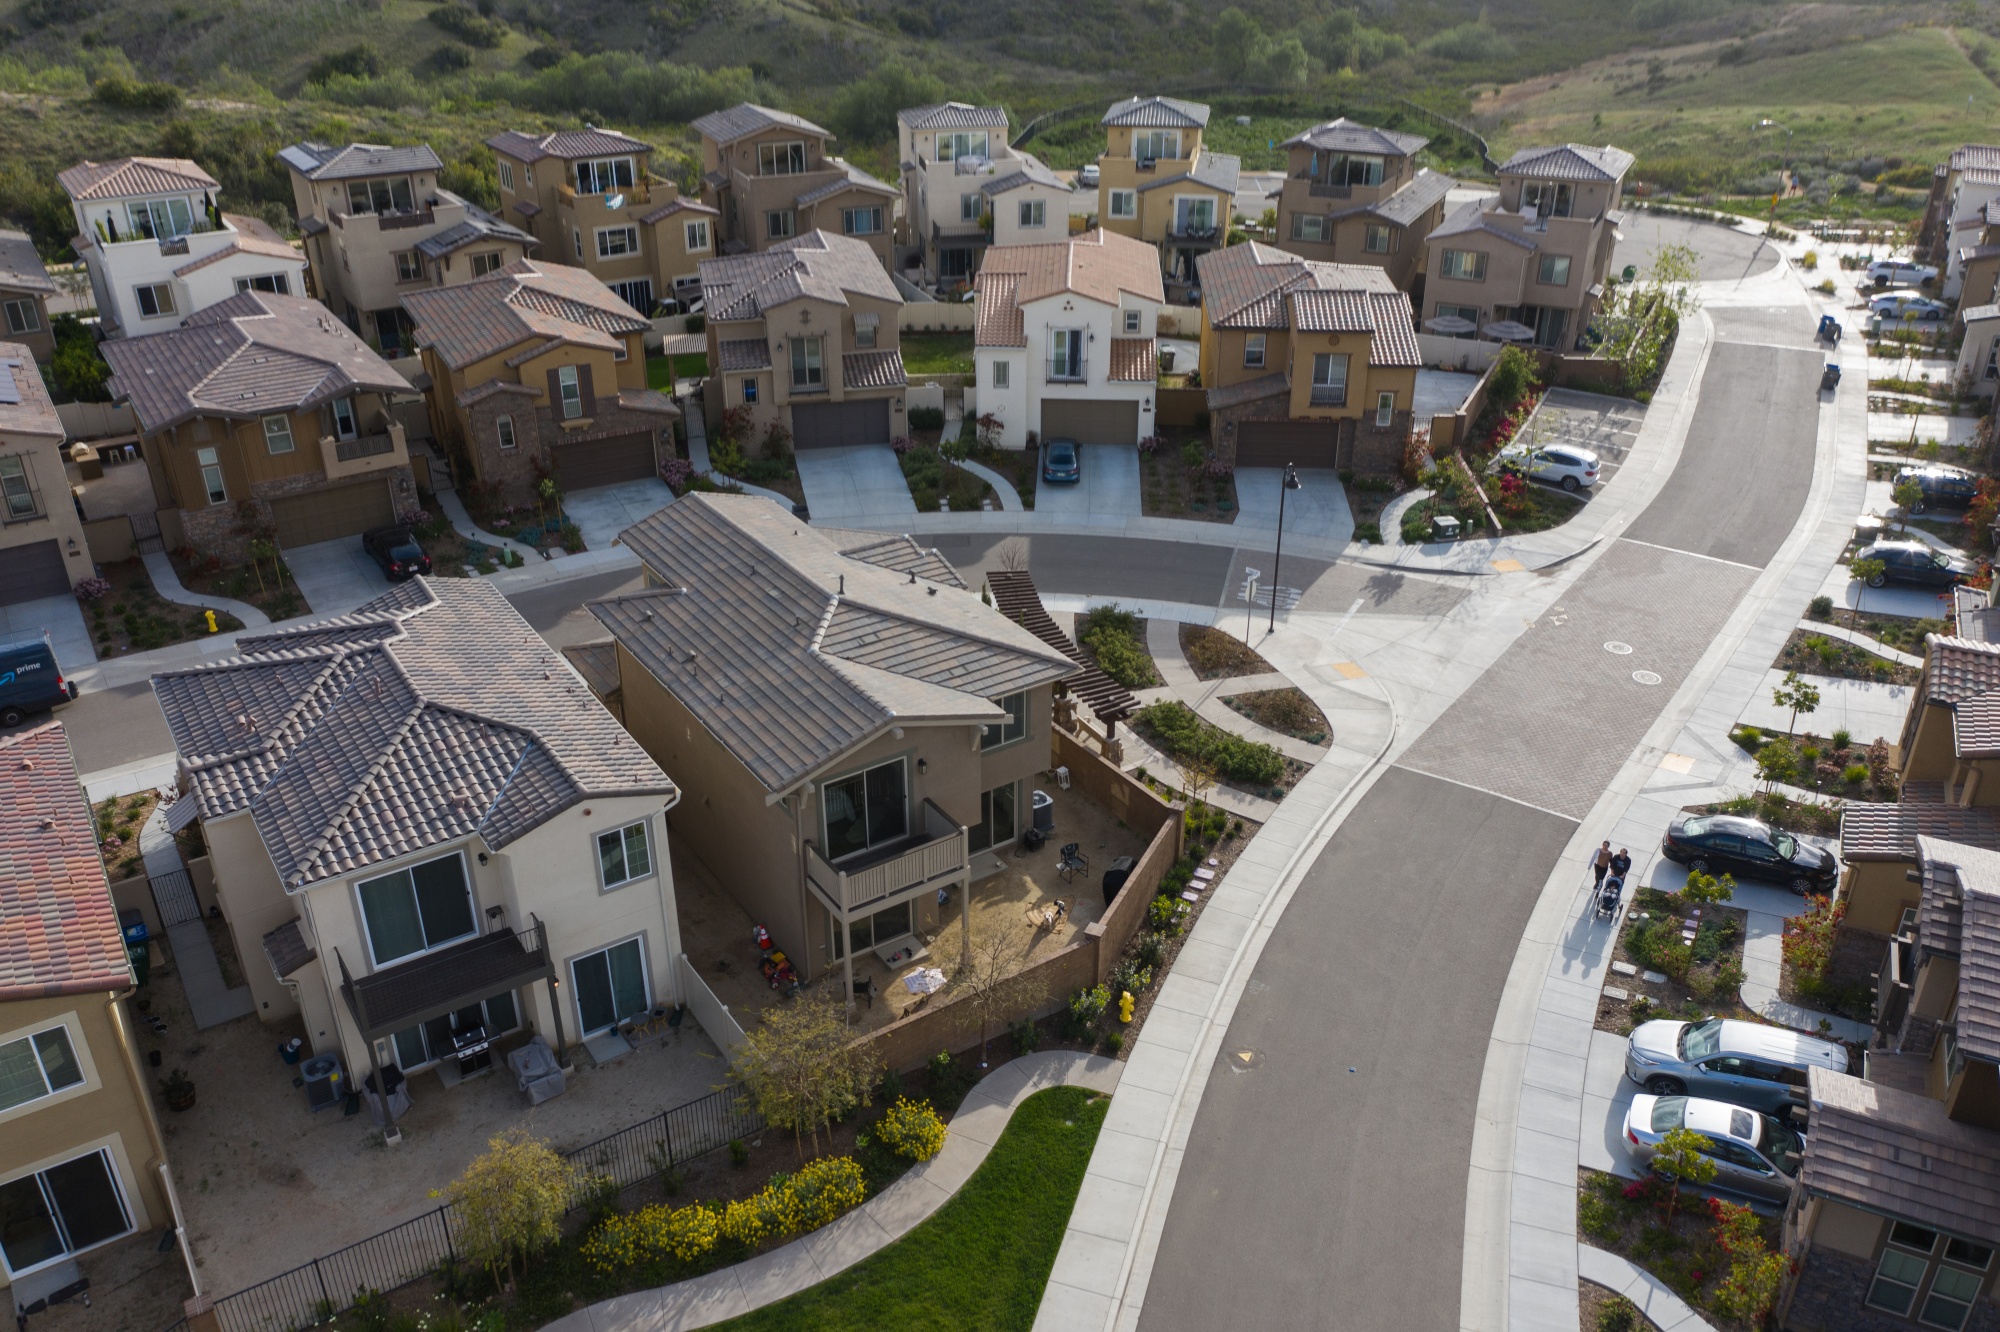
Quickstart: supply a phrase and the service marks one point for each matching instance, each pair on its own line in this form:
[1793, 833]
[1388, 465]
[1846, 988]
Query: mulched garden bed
[1902, 632]
[932, 476]
[1602, 1310]
[1817, 654]
[1216, 655]
[1115, 639]
[1179, 480]
[1794, 816]
[1241, 764]
[1829, 766]
[133, 617]
[118, 821]
[1287, 711]
[1710, 980]
[1629, 1218]
[1367, 496]
[1848, 989]
[1019, 466]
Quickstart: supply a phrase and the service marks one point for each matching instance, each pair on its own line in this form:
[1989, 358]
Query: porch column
[847, 964]
[555, 1015]
[381, 1087]
[965, 919]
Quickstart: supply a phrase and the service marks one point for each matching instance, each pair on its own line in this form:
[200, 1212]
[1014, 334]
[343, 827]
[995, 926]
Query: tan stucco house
[25, 288]
[772, 176]
[42, 548]
[1354, 194]
[1156, 183]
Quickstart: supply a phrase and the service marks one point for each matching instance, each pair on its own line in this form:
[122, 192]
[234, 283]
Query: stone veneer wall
[1831, 1295]
[538, 436]
[212, 531]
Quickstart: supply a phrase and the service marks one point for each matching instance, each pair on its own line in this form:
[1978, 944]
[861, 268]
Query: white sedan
[1571, 468]
[1907, 307]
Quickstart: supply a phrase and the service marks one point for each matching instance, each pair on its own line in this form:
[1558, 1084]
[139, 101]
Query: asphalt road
[1721, 251]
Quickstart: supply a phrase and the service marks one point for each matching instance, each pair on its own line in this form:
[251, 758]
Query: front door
[610, 986]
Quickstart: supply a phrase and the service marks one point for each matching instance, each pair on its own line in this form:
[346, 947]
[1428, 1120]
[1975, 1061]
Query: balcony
[382, 449]
[407, 993]
[1328, 395]
[1194, 233]
[639, 192]
[1321, 190]
[935, 854]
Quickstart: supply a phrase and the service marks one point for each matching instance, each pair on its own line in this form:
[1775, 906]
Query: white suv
[1571, 468]
[1900, 273]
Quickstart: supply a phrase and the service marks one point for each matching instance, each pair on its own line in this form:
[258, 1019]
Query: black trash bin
[1114, 878]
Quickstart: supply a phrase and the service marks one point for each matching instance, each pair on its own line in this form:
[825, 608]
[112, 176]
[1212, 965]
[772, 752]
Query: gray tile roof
[319, 161]
[1974, 155]
[1156, 113]
[747, 118]
[1217, 171]
[792, 653]
[953, 115]
[287, 950]
[819, 265]
[873, 369]
[1569, 161]
[1898, 1153]
[1029, 170]
[1416, 198]
[680, 203]
[570, 145]
[249, 355]
[898, 554]
[1871, 831]
[131, 177]
[1351, 136]
[851, 177]
[527, 301]
[21, 269]
[743, 354]
[35, 413]
[379, 734]
[1959, 916]
[1469, 219]
[479, 225]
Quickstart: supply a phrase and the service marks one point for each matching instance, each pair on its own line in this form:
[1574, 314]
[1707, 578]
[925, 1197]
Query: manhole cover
[1646, 677]
[1246, 1059]
[1622, 649]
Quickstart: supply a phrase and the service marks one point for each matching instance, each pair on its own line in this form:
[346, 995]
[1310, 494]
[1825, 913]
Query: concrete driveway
[846, 485]
[1108, 492]
[61, 618]
[602, 512]
[1318, 510]
[335, 576]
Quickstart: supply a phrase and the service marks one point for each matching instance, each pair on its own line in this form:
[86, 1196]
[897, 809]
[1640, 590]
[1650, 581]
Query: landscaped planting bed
[1817, 654]
[933, 476]
[1019, 466]
[1244, 765]
[1116, 640]
[1702, 980]
[1722, 1258]
[1904, 633]
[1215, 655]
[1828, 968]
[1602, 1310]
[1287, 711]
[128, 615]
[1178, 479]
[1367, 496]
[1826, 765]
[118, 821]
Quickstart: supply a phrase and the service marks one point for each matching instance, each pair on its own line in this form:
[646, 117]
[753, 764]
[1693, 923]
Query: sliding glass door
[610, 986]
[61, 1210]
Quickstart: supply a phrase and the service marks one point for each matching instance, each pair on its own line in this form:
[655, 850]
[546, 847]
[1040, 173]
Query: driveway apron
[1108, 494]
[335, 576]
[849, 484]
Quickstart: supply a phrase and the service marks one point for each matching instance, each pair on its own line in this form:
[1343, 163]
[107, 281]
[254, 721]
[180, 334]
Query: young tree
[1865, 573]
[1705, 888]
[1681, 1159]
[1908, 496]
[510, 1201]
[989, 981]
[802, 1068]
[1797, 695]
[1198, 765]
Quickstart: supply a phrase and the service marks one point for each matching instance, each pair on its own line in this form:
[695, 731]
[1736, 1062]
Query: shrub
[1149, 950]
[1182, 732]
[1112, 636]
[1027, 1036]
[90, 589]
[1512, 378]
[635, 1239]
[1617, 1315]
[1821, 608]
[1165, 916]
[132, 95]
[1131, 975]
[677, 472]
[1086, 1006]
[926, 418]
[790, 1204]
[1842, 738]
[912, 1129]
[462, 22]
[1854, 774]
[1809, 936]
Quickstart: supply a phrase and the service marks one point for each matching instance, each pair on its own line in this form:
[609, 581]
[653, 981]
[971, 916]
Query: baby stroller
[1608, 894]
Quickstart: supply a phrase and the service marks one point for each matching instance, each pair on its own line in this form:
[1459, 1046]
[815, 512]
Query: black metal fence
[328, 1286]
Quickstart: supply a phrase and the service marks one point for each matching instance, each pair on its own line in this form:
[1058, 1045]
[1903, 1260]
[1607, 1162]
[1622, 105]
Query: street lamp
[1291, 482]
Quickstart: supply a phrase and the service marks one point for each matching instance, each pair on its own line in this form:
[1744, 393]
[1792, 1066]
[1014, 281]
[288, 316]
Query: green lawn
[937, 353]
[981, 1262]
[659, 375]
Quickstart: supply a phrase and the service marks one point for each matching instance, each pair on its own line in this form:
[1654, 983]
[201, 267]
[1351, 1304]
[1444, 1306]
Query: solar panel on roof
[10, 388]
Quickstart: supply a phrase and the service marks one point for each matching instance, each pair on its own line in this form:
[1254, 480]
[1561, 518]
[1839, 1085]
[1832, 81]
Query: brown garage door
[1090, 421]
[833, 425]
[1275, 443]
[604, 462]
[28, 572]
[337, 511]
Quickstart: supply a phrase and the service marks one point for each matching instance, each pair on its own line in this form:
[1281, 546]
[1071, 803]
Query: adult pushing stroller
[1608, 895]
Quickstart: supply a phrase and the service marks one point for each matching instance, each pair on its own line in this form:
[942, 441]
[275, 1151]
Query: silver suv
[1743, 1063]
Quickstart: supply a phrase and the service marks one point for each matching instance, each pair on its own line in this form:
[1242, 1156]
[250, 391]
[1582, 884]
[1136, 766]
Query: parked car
[1754, 1154]
[30, 680]
[1900, 273]
[1905, 306]
[1750, 849]
[1743, 1063]
[396, 550]
[1087, 177]
[1943, 487]
[1062, 463]
[1573, 469]
[1916, 563]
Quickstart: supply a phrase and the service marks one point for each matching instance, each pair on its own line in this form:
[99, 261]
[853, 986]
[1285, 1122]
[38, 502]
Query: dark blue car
[1062, 463]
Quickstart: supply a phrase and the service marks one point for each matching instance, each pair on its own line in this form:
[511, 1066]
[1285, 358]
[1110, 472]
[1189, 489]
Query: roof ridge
[968, 635]
[316, 848]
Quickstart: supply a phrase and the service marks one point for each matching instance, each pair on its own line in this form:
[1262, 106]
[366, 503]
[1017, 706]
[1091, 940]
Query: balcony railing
[936, 853]
[382, 447]
[1324, 395]
[638, 192]
[1321, 190]
[1893, 985]
[407, 993]
[367, 446]
[1187, 233]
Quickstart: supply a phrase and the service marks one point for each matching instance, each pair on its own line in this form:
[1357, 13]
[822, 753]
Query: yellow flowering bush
[913, 1129]
[770, 1215]
[628, 1239]
[790, 1204]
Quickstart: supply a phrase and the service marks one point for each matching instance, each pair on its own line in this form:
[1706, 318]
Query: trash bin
[133, 922]
[1114, 878]
[142, 961]
[1045, 812]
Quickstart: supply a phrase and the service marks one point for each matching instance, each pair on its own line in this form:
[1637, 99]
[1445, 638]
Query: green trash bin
[1631, 272]
[142, 961]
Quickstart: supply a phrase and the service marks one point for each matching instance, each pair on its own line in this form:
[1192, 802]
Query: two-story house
[1353, 194]
[428, 830]
[376, 225]
[591, 199]
[540, 370]
[772, 176]
[965, 187]
[1961, 186]
[1536, 254]
[25, 288]
[43, 552]
[1064, 342]
[857, 722]
[82, 1162]
[265, 411]
[1156, 183]
[1306, 362]
[806, 335]
[159, 247]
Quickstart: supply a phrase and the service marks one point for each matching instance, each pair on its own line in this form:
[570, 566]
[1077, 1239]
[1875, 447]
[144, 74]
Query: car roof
[1763, 1042]
[1897, 545]
[1713, 1119]
[1736, 823]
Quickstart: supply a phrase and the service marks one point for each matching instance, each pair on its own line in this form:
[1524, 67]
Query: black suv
[397, 551]
[1916, 563]
[1749, 849]
[1943, 487]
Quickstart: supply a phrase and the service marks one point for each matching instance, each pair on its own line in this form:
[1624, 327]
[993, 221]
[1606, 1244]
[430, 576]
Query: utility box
[1444, 527]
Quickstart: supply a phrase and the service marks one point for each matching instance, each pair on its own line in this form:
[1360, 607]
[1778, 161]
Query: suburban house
[265, 412]
[598, 206]
[1306, 362]
[25, 288]
[42, 548]
[1156, 183]
[771, 176]
[159, 247]
[860, 726]
[1539, 253]
[805, 335]
[965, 188]
[1064, 345]
[540, 370]
[1961, 188]
[376, 225]
[416, 860]
[1979, 350]
[82, 1162]
[1353, 194]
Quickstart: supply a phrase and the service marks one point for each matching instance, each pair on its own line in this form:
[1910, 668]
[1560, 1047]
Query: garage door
[832, 425]
[1275, 443]
[28, 572]
[604, 462]
[337, 511]
[1090, 422]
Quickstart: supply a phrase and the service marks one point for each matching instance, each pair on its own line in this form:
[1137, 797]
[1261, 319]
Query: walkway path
[210, 1002]
[697, 432]
[1668, 1311]
[1860, 640]
[1163, 640]
[1008, 498]
[869, 1228]
[168, 584]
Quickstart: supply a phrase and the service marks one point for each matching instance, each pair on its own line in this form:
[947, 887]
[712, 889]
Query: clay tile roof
[1871, 831]
[747, 118]
[479, 225]
[58, 928]
[1351, 136]
[319, 161]
[1899, 1154]
[997, 315]
[1979, 974]
[874, 369]
[1975, 726]
[525, 302]
[1569, 161]
[1243, 286]
[570, 145]
[1974, 155]
[1960, 668]
[743, 354]
[1156, 113]
[678, 204]
[953, 115]
[129, 177]
[21, 268]
[1318, 311]
[1098, 265]
[35, 411]
[818, 265]
[1395, 340]
[851, 177]
[1135, 360]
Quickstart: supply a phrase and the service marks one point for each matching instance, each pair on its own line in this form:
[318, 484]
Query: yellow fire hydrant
[1125, 1002]
[209, 615]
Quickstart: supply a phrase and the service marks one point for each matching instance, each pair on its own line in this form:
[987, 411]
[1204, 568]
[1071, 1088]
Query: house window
[1194, 217]
[866, 327]
[861, 221]
[750, 389]
[970, 206]
[867, 809]
[1385, 410]
[1993, 360]
[610, 987]
[623, 854]
[275, 283]
[1548, 198]
[1124, 203]
[278, 434]
[344, 424]
[964, 143]
[1466, 265]
[576, 236]
[697, 237]
[1033, 212]
[155, 301]
[1550, 324]
[1311, 227]
[417, 909]
[1933, 1275]
[23, 317]
[570, 392]
[638, 294]
[425, 1044]
[996, 819]
[997, 733]
[506, 175]
[161, 219]
[490, 262]
[62, 1210]
[1132, 321]
[529, 176]
[1066, 353]
[1379, 238]
[1000, 374]
[604, 176]
[1253, 351]
[37, 1066]
[1152, 145]
[503, 430]
[1329, 386]
[808, 368]
[1343, 169]
[17, 487]
[781, 223]
[410, 266]
[615, 241]
[211, 476]
[380, 196]
[878, 930]
[1554, 270]
[781, 159]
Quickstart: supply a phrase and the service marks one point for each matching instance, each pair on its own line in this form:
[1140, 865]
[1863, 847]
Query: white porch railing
[942, 855]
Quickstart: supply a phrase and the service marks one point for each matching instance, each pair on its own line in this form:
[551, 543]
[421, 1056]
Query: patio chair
[1073, 861]
[865, 989]
[536, 1072]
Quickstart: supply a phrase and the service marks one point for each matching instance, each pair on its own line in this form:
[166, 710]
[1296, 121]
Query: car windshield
[1668, 1112]
[1699, 1040]
[409, 550]
[1942, 560]
[1782, 1144]
[1787, 845]
[1695, 827]
[1061, 454]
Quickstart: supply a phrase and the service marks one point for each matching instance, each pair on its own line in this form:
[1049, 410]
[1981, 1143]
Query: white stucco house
[1064, 344]
[1029, 204]
[158, 246]
[965, 188]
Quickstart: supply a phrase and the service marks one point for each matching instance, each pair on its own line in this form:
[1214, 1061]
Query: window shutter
[555, 394]
[584, 390]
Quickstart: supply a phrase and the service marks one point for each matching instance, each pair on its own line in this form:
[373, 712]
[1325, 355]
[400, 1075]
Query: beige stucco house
[772, 176]
[42, 548]
[25, 288]
[965, 188]
[1354, 194]
[1157, 183]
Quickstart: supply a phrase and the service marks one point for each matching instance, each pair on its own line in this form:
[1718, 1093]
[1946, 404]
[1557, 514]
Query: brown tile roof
[1156, 113]
[58, 928]
[680, 203]
[1319, 311]
[1975, 726]
[1135, 360]
[818, 266]
[1242, 286]
[1395, 340]
[1249, 390]
[286, 949]
[379, 734]
[1217, 171]
[1897, 1153]
[650, 401]
[1961, 668]
[35, 413]
[246, 356]
[851, 177]
[481, 392]
[1889, 832]
[21, 268]
[873, 369]
[245, 244]
[743, 354]
[1569, 161]
[597, 663]
[569, 145]
[997, 318]
[1098, 265]
[953, 115]
[1979, 975]
[1351, 136]
[128, 176]
[527, 301]
[747, 118]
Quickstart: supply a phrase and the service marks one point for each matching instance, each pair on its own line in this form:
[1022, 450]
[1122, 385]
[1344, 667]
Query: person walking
[1600, 863]
[1621, 864]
